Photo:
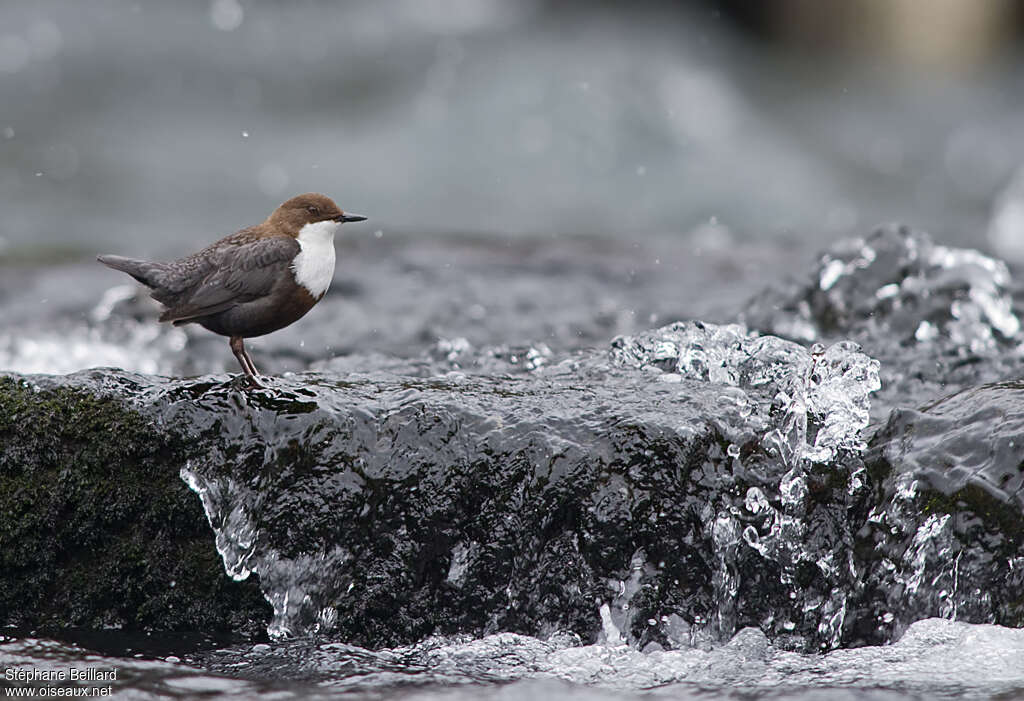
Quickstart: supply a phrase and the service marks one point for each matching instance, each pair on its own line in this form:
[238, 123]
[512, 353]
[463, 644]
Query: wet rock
[665, 491]
[946, 535]
[383, 509]
[943, 536]
[96, 528]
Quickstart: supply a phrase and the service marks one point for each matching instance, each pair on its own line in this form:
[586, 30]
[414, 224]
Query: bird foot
[244, 382]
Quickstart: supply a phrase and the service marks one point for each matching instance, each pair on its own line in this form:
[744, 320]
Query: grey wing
[240, 273]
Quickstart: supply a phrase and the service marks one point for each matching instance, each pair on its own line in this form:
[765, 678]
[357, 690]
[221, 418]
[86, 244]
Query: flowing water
[907, 354]
[934, 659]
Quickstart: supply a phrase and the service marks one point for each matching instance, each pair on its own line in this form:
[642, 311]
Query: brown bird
[253, 282]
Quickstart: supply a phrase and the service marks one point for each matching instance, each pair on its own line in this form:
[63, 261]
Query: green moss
[96, 527]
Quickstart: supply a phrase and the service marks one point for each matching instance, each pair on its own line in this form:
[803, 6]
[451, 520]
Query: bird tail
[145, 272]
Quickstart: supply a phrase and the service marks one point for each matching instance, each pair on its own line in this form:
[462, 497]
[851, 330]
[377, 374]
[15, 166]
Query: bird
[253, 282]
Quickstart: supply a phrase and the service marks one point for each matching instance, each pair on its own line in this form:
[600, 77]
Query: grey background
[149, 128]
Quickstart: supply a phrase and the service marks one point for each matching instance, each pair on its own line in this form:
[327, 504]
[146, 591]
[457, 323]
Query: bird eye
[313, 209]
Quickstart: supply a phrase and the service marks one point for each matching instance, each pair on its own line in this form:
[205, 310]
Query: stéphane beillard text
[70, 674]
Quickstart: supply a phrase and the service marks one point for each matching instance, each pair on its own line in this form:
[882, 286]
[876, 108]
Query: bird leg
[238, 348]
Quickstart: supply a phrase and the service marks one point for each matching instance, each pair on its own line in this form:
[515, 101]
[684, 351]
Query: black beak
[344, 217]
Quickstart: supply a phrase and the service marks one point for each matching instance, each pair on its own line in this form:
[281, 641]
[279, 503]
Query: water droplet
[756, 502]
[751, 536]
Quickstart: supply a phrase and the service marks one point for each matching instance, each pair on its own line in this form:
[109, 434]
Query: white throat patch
[314, 266]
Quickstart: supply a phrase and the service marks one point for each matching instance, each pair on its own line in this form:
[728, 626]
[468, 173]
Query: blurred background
[148, 128]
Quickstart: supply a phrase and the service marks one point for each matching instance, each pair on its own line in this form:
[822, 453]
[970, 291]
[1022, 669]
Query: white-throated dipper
[253, 282]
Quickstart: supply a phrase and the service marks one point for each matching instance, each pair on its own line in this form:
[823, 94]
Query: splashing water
[899, 284]
[820, 396]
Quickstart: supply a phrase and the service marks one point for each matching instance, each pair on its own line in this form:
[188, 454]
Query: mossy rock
[97, 529]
